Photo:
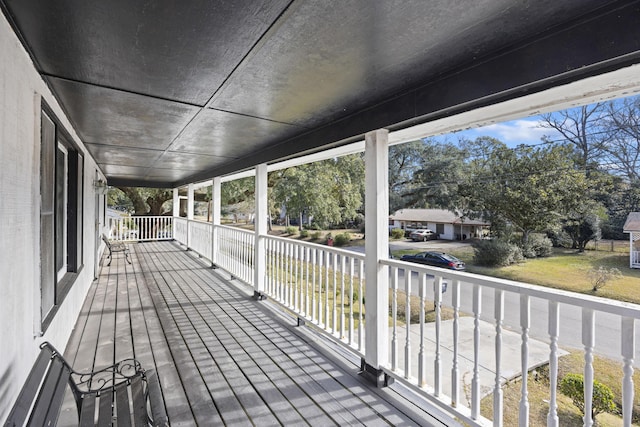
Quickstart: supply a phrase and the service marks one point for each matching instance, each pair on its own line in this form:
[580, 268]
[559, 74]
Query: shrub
[572, 385]
[600, 276]
[315, 235]
[342, 239]
[304, 233]
[290, 230]
[537, 246]
[492, 253]
[397, 233]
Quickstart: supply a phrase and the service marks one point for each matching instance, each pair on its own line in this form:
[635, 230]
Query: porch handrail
[428, 382]
[140, 228]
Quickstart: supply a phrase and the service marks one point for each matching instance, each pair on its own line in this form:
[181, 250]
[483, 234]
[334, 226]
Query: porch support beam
[216, 216]
[176, 202]
[376, 157]
[190, 199]
[260, 221]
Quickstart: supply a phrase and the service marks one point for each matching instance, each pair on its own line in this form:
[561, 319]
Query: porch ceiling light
[100, 186]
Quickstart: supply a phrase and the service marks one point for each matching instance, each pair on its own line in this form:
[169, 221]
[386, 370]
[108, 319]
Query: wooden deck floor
[222, 358]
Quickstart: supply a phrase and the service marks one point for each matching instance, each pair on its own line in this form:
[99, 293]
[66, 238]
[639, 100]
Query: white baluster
[276, 268]
[475, 381]
[554, 328]
[497, 389]
[437, 380]
[314, 259]
[320, 286]
[305, 279]
[455, 384]
[628, 335]
[588, 340]
[292, 278]
[351, 302]
[267, 279]
[342, 306]
[289, 272]
[422, 357]
[407, 316]
[296, 278]
[394, 318]
[525, 321]
[335, 294]
[327, 312]
[361, 311]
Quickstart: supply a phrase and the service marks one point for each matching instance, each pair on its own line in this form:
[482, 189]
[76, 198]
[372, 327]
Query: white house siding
[20, 90]
[450, 230]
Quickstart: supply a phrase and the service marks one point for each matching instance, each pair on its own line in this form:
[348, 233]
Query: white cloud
[515, 132]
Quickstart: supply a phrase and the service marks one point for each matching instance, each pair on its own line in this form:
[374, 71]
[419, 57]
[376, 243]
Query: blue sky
[522, 131]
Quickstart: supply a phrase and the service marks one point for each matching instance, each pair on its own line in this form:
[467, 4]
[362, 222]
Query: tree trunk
[139, 206]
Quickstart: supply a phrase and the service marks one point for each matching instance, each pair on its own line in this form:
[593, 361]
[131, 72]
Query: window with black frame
[61, 190]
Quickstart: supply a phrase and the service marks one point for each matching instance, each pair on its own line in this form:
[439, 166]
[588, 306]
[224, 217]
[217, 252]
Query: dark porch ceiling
[169, 92]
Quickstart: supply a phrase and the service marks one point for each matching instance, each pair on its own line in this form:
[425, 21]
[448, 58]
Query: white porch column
[190, 204]
[176, 202]
[216, 198]
[376, 248]
[260, 220]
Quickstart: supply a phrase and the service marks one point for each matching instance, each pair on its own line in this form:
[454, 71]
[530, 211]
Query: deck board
[221, 357]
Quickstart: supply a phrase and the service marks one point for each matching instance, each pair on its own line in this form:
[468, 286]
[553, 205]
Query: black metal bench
[124, 393]
[116, 247]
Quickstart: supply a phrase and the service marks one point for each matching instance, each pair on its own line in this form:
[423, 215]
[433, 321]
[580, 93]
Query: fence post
[216, 198]
[376, 157]
[260, 220]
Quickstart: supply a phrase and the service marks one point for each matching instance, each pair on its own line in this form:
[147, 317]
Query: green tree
[530, 188]
[583, 224]
[425, 173]
[330, 190]
[404, 161]
[142, 201]
[238, 197]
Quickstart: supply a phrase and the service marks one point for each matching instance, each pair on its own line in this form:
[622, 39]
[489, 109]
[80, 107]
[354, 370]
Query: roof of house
[632, 223]
[434, 215]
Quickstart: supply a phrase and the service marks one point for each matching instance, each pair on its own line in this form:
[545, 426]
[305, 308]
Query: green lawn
[566, 269]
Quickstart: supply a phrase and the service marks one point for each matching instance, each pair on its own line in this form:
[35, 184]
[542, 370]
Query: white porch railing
[466, 291]
[635, 259]
[141, 228]
[199, 238]
[236, 252]
[181, 230]
[321, 284]
[325, 286]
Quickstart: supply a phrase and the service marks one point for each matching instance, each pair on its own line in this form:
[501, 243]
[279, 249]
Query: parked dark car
[436, 259]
